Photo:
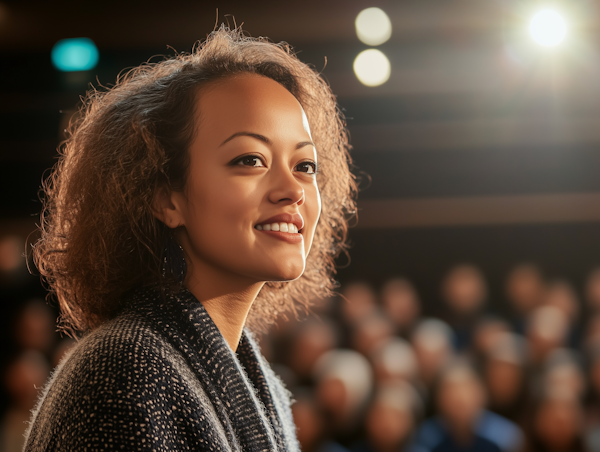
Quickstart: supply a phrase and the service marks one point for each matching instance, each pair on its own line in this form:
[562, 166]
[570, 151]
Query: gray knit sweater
[160, 377]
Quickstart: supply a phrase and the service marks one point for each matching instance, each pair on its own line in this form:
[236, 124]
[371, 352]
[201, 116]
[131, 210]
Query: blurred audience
[388, 373]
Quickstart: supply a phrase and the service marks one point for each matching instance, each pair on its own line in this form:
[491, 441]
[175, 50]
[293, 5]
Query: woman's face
[252, 168]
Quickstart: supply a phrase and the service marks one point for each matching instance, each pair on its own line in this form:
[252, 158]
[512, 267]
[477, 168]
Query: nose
[286, 189]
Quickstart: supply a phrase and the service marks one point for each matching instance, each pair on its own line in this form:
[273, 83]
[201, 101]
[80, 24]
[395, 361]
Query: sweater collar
[239, 385]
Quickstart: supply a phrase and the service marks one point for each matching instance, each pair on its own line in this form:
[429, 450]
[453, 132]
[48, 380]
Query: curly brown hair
[99, 238]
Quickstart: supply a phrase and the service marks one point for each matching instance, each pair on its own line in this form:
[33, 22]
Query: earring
[173, 262]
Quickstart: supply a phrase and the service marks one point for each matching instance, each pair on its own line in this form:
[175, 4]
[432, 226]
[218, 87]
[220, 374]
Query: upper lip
[294, 218]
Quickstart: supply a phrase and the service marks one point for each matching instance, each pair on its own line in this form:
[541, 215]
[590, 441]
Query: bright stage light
[547, 28]
[77, 54]
[373, 26]
[372, 67]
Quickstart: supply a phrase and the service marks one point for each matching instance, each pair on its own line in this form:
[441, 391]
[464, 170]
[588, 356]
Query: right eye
[250, 160]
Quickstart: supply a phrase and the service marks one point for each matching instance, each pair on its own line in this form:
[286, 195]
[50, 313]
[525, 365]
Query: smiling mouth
[290, 228]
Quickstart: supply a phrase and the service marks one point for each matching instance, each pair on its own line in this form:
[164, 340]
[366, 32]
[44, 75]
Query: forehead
[245, 97]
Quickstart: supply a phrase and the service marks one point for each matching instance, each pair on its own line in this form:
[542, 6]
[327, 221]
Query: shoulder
[429, 435]
[500, 431]
[123, 383]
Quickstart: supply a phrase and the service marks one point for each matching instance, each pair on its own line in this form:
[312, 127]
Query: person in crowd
[563, 369]
[368, 333]
[486, 333]
[557, 422]
[432, 341]
[591, 335]
[401, 305]
[308, 341]
[465, 292]
[395, 360]
[358, 301]
[392, 418]
[311, 425]
[592, 291]
[34, 327]
[505, 372]
[524, 291]
[547, 330]
[194, 202]
[343, 386]
[592, 401]
[24, 375]
[463, 424]
[560, 294]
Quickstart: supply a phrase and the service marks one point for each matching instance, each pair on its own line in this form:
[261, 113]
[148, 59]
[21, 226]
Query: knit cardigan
[160, 377]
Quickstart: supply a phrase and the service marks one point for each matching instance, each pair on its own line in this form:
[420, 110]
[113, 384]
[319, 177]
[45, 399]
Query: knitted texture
[160, 377]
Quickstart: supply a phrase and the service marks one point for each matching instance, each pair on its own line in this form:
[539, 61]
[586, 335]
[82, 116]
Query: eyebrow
[264, 139]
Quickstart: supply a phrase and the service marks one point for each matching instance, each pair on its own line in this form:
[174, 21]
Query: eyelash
[241, 159]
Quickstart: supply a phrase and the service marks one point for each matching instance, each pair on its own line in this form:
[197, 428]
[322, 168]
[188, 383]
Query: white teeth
[283, 227]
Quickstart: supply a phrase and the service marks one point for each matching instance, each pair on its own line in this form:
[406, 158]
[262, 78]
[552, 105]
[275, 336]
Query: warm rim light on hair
[548, 28]
[373, 26]
[372, 68]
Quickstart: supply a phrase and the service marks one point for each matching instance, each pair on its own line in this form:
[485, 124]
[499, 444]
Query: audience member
[486, 332]
[524, 291]
[464, 292]
[344, 383]
[432, 342]
[391, 419]
[505, 376]
[24, 376]
[358, 301]
[368, 333]
[310, 424]
[547, 330]
[592, 291]
[395, 360]
[463, 424]
[558, 423]
[309, 340]
[401, 305]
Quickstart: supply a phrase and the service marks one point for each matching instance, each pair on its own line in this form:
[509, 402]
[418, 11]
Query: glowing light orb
[373, 26]
[76, 54]
[372, 68]
[548, 28]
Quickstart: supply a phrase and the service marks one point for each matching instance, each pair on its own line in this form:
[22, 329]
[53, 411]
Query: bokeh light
[76, 54]
[372, 67]
[373, 26]
[548, 28]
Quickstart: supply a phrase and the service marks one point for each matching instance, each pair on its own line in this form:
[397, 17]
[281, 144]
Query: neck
[226, 298]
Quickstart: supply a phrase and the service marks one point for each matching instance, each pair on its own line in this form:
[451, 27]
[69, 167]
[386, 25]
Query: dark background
[472, 110]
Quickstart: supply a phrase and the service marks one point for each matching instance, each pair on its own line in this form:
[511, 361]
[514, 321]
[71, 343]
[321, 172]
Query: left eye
[307, 167]
[250, 160]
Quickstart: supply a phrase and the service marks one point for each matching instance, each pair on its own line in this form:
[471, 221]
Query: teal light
[76, 54]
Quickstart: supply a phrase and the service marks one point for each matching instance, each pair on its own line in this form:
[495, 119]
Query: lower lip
[285, 236]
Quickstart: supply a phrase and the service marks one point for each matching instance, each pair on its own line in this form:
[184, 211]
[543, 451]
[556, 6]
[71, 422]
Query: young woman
[178, 219]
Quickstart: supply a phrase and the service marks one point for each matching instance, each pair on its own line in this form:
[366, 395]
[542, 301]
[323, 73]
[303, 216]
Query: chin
[288, 274]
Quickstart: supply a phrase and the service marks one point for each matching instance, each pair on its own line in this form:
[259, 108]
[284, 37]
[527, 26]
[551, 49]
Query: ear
[166, 207]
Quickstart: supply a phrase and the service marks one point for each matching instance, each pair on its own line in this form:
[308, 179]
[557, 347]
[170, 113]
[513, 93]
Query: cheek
[219, 214]
[311, 214]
